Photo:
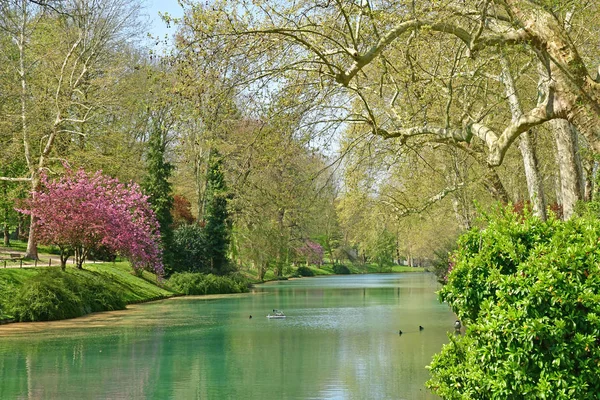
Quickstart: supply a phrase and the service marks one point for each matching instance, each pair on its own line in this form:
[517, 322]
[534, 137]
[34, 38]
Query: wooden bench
[14, 255]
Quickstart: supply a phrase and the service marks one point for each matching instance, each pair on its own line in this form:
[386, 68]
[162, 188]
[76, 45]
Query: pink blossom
[313, 252]
[82, 211]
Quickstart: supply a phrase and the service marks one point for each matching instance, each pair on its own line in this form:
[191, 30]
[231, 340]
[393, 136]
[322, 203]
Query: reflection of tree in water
[335, 343]
[106, 366]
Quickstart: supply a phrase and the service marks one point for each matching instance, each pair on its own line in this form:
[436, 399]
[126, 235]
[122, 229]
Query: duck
[421, 328]
[399, 332]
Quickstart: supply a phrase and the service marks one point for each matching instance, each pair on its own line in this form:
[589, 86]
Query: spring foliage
[529, 293]
[312, 252]
[80, 212]
[198, 284]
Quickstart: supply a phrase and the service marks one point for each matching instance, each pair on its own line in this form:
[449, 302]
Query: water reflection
[340, 341]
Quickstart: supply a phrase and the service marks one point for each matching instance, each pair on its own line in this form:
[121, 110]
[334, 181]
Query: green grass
[116, 275]
[327, 269]
[20, 245]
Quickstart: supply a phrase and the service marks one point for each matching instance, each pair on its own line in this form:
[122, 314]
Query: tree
[158, 188]
[312, 253]
[80, 212]
[422, 71]
[217, 229]
[182, 211]
[62, 56]
[190, 249]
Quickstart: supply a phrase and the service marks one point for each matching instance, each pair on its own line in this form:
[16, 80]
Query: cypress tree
[216, 215]
[157, 186]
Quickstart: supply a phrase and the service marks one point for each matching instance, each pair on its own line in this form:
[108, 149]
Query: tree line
[369, 128]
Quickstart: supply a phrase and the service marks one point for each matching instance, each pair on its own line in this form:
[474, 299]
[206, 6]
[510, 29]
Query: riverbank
[118, 277]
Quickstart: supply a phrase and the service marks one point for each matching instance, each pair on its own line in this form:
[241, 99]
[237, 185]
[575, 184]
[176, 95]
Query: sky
[157, 26]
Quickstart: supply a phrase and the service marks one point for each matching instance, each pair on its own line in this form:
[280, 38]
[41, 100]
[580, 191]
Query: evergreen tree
[157, 186]
[217, 228]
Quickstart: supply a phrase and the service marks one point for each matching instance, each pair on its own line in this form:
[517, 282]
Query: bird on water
[421, 328]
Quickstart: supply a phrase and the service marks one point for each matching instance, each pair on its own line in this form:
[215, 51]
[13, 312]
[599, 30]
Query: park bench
[14, 255]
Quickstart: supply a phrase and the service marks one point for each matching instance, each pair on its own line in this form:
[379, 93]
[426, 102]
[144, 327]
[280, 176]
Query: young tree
[80, 212]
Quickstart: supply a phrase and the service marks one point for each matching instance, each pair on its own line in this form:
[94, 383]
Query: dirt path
[10, 258]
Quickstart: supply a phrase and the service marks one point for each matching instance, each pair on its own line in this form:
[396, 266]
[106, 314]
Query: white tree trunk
[532, 175]
[569, 164]
[535, 188]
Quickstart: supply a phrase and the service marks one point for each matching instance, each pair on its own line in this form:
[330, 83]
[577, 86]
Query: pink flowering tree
[312, 252]
[81, 212]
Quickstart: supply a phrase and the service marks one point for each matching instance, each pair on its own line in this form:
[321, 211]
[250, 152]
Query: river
[339, 341]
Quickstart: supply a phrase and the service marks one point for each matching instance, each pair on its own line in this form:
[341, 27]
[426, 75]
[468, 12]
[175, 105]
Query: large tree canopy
[427, 68]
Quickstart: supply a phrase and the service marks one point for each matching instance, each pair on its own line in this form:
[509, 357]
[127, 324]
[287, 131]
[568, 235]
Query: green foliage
[341, 269]
[199, 284]
[189, 249]
[529, 292]
[157, 186]
[305, 271]
[442, 260]
[381, 249]
[53, 295]
[217, 228]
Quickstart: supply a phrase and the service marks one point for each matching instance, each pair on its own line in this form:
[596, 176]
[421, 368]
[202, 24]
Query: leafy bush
[442, 260]
[189, 283]
[305, 271]
[341, 269]
[529, 292]
[53, 295]
[189, 249]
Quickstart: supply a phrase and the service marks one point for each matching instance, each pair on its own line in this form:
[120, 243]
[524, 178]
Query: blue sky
[153, 7]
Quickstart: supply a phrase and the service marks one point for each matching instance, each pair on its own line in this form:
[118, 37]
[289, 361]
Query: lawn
[117, 275]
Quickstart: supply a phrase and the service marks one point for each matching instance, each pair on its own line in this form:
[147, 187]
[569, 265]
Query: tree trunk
[495, 187]
[32, 250]
[535, 188]
[64, 256]
[590, 181]
[532, 175]
[6, 234]
[6, 227]
[569, 164]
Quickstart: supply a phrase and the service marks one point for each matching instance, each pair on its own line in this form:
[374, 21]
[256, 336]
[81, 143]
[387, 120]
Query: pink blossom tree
[80, 212]
[312, 252]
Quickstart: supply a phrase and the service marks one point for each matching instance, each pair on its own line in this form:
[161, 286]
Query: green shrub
[341, 269]
[190, 249]
[189, 283]
[529, 293]
[305, 271]
[53, 295]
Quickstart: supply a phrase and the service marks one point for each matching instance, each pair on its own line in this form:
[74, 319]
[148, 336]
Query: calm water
[339, 341]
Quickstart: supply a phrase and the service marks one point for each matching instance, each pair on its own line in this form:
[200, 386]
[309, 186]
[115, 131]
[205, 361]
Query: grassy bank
[327, 269]
[115, 278]
[47, 293]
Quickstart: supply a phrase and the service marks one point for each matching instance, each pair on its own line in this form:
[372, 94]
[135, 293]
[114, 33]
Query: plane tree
[429, 69]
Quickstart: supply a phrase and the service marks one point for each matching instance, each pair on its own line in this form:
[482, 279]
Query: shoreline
[133, 305]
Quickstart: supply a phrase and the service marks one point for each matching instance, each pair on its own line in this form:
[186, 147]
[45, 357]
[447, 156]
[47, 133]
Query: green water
[339, 341]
